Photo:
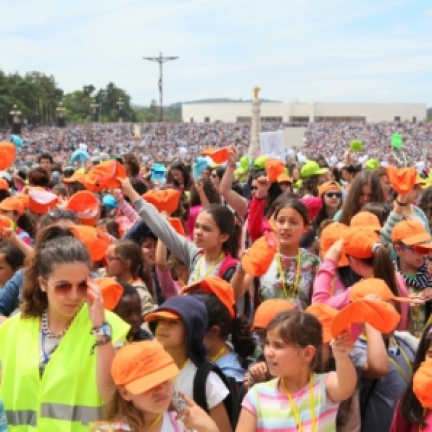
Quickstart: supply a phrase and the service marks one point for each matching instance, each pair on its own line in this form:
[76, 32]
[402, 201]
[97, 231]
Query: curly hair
[210, 191]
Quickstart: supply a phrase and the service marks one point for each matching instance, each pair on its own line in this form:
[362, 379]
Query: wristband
[104, 330]
[401, 204]
[99, 343]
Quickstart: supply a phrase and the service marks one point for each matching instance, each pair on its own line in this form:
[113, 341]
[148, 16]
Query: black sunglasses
[333, 194]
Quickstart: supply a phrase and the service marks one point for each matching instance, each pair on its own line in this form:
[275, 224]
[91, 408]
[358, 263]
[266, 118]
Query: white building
[305, 112]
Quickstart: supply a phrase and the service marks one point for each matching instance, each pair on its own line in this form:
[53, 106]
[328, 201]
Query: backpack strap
[199, 385]
[228, 263]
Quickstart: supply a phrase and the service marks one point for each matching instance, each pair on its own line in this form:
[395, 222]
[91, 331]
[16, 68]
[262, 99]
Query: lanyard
[219, 354]
[311, 404]
[155, 421]
[208, 271]
[282, 275]
[406, 360]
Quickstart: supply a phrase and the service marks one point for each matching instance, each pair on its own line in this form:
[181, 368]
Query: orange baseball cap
[410, 232]
[42, 201]
[325, 315]
[166, 200]
[219, 155]
[7, 155]
[274, 168]
[402, 180]
[374, 286]
[327, 187]
[12, 204]
[284, 178]
[95, 240]
[329, 236]
[141, 366]
[380, 315]
[112, 292]
[360, 243]
[208, 151]
[86, 206]
[177, 224]
[268, 309]
[257, 259]
[219, 287]
[421, 384]
[366, 220]
[77, 176]
[104, 176]
[4, 185]
[163, 313]
[5, 222]
[24, 199]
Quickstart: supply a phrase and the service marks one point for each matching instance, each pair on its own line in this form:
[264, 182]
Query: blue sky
[331, 50]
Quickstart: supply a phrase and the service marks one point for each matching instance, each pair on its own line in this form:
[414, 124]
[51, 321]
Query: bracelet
[401, 204]
[104, 329]
[99, 343]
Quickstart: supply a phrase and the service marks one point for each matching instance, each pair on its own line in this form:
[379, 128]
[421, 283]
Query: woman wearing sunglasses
[56, 354]
[331, 194]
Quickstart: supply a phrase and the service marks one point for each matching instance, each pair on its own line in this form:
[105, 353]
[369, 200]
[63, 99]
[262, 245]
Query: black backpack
[231, 402]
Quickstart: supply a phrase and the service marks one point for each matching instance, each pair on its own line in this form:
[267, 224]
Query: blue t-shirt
[231, 367]
[3, 424]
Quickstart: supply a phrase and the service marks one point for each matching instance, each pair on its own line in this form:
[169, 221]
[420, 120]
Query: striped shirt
[273, 410]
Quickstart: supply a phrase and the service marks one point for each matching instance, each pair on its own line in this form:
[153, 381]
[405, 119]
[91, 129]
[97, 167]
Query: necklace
[294, 409]
[282, 275]
[47, 331]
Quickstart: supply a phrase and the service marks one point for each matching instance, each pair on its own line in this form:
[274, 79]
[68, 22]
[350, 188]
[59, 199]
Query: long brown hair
[54, 246]
[351, 205]
[118, 409]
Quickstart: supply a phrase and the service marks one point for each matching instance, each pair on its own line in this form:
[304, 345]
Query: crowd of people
[143, 288]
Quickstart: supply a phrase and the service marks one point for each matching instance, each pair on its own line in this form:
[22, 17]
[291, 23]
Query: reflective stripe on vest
[78, 413]
[20, 418]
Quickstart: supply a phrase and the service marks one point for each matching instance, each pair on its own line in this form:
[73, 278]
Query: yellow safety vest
[66, 398]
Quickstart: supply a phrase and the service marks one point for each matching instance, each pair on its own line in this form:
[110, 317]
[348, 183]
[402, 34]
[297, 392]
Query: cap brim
[154, 316]
[147, 382]
[416, 239]
[423, 249]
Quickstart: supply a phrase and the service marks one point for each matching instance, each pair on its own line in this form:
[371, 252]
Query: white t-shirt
[216, 391]
[169, 424]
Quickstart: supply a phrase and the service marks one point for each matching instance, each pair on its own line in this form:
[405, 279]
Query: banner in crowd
[273, 144]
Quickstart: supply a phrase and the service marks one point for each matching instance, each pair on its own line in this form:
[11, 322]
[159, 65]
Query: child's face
[290, 226]
[129, 310]
[148, 251]
[155, 400]
[409, 256]
[285, 360]
[115, 265]
[206, 233]
[170, 333]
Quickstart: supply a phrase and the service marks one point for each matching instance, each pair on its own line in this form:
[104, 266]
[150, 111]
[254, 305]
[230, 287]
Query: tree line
[41, 101]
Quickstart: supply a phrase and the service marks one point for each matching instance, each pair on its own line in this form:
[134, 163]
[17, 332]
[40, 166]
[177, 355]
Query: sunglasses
[333, 194]
[65, 288]
[254, 188]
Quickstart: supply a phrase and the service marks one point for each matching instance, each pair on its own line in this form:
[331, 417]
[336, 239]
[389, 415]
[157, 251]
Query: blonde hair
[118, 409]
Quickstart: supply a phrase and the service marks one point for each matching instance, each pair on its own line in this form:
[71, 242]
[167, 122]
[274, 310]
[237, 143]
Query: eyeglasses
[65, 288]
[333, 194]
[254, 188]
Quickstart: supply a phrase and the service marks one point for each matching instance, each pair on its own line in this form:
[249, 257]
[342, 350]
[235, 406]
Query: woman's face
[333, 199]
[6, 271]
[285, 187]
[385, 185]
[206, 233]
[215, 179]
[177, 175]
[155, 401]
[289, 226]
[296, 174]
[365, 195]
[66, 287]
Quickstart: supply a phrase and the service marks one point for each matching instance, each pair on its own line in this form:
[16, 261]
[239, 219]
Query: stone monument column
[254, 144]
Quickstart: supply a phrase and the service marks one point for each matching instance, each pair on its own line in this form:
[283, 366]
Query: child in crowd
[180, 326]
[413, 413]
[308, 400]
[143, 373]
[129, 309]
[224, 324]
